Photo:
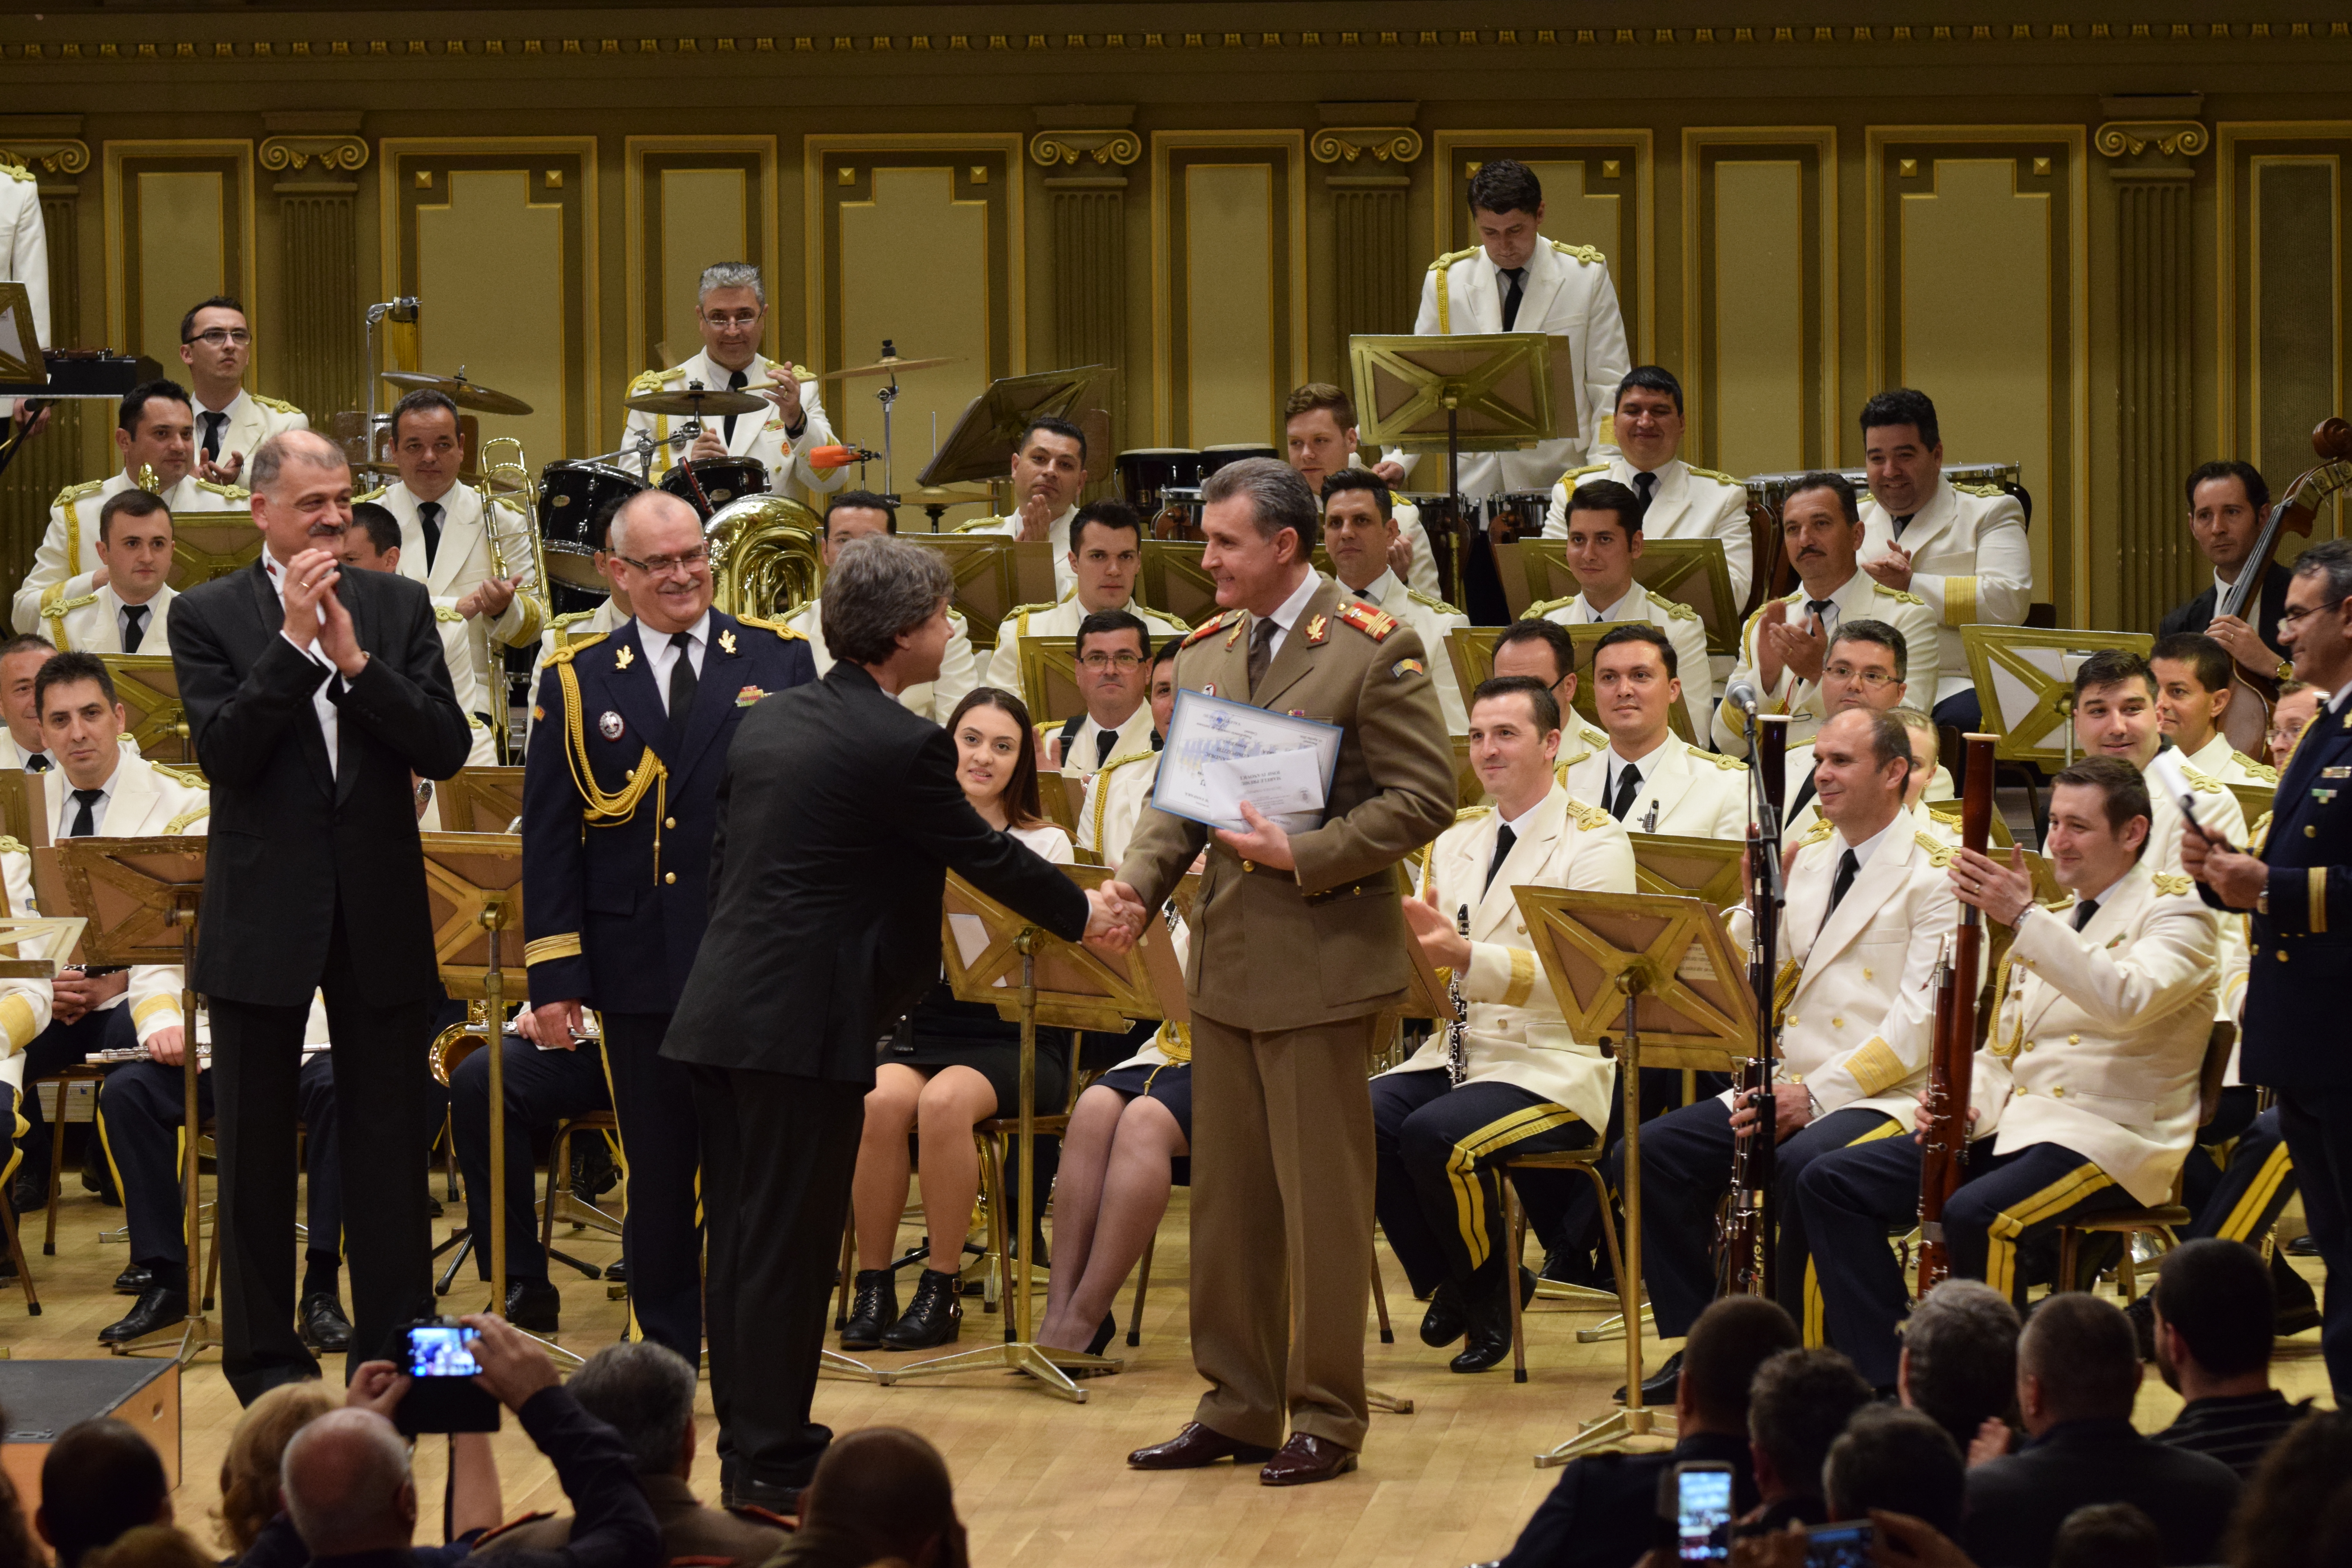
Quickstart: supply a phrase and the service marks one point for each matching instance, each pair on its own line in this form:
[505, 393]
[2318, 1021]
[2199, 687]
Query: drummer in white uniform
[732, 309]
[1320, 433]
[855, 514]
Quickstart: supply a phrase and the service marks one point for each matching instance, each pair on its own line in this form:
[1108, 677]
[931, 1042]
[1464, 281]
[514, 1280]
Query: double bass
[2253, 692]
[1951, 1071]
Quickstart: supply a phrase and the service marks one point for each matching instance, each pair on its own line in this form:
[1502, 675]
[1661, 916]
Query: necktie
[1261, 649]
[1644, 485]
[85, 822]
[1900, 524]
[1819, 610]
[1847, 867]
[1512, 295]
[214, 424]
[1503, 842]
[735, 380]
[38, 763]
[2083, 911]
[134, 626]
[1365, 594]
[1104, 741]
[428, 517]
[1629, 785]
[681, 684]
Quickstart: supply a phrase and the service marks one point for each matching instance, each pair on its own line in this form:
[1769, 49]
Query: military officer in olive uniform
[628, 742]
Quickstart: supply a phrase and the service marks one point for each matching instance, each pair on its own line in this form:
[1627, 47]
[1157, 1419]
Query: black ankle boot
[934, 1317]
[877, 1308]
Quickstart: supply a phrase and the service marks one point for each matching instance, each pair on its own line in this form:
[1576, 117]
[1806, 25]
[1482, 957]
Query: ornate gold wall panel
[1978, 295]
[1229, 307]
[1761, 297]
[497, 239]
[691, 201]
[179, 227]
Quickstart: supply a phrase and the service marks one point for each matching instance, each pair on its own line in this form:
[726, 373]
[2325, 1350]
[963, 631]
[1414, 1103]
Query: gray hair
[638, 501]
[880, 588]
[645, 1392]
[731, 275]
[1278, 498]
[341, 1478]
[291, 446]
[2330, 559]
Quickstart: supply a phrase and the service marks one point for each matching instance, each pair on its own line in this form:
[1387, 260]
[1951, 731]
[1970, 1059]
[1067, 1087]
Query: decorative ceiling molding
[2172, 138]
[1397, 144]
[332, 152]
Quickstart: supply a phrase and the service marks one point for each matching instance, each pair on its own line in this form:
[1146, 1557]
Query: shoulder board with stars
[1205, 628]
[1374, 623]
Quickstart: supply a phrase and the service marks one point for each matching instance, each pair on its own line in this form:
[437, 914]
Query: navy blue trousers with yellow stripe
[2238, 1178]
[1438, 1191]
[1854, 1198]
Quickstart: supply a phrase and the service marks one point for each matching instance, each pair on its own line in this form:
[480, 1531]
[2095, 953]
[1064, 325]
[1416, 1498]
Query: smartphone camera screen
[441, 1349]
[1703, 1516]
[1839, 1545]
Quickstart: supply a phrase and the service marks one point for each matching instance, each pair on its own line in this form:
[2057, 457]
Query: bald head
[886, 1489]
[655, 526]
[292, 448]
[346, 1483]
[648, 514]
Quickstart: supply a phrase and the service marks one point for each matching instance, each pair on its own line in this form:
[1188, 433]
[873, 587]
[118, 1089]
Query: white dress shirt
[1869, 847]
[661, 654]
[69, 808]
[330, 716]
[1287, 614]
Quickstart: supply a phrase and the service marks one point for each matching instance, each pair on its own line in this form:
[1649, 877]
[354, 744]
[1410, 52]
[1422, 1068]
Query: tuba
[766, 556]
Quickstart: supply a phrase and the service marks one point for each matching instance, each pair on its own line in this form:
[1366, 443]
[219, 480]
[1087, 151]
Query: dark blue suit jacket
[605, 923]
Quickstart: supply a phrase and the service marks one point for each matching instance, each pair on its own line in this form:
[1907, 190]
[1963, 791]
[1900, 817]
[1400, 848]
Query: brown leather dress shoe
[1306, 1459]
[1194, 1446]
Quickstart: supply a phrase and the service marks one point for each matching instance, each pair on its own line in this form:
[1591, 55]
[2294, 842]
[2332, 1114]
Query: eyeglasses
[2295, 618]
[221, 337]
[1125, 663]
[2283, 737]
[688, 564]
[740, 319]
[1872, 678]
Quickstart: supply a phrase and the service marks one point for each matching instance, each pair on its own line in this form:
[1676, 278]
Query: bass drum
[1215, 457]
[707, 484]
[575, 500]
[766, 556]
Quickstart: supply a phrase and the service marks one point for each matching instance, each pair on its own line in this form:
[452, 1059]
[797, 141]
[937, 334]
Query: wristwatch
[2285, 670]
[2262, 901]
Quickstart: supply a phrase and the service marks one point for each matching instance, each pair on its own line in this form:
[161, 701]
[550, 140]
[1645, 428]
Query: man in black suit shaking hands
[839, 818]
[313, 695]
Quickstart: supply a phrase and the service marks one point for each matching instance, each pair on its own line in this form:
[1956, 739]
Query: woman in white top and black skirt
[950, 1066]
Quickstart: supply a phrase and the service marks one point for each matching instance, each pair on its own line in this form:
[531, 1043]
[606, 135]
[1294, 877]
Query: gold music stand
[1705, 869]
[1471, 649]
[1693, 572]
[2254, 799]
[480, 800]
[1059, 794]
[16, 806]
[1033, 977]
[1049, 679]
[2024, 679]
[1171, 578]
[141, 898]
[149, 689]
[209, 545]
[1663, 976]
[992, 574]
[981, 445]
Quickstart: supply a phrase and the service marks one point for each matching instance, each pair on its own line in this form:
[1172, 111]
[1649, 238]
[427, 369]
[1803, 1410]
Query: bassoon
[1744, 1264]
[1944, 1128]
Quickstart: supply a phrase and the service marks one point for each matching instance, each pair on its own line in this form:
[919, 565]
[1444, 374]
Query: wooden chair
[1587, 1160]
[71, 1073]
[560, 1196]
[8, 1220]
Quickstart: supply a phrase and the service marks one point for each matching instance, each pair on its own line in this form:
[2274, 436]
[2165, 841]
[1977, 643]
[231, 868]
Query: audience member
[2108, 1535]
[1960, 1363]
[101, 1478]
[1602, 1511]
[2077, 1373]
[2300, 1485]
[16, 1548]
[879, 1493]
[1899, 1460]
[645, 1392]
[2214, 1317]
[150, 1546]
[250, 1497]
[1800, 1401]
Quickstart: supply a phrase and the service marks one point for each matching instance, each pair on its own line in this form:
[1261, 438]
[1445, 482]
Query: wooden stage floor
[1041, 1482]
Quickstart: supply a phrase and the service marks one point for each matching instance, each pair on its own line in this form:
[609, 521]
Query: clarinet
[1457, 1033]
[1744, 1261]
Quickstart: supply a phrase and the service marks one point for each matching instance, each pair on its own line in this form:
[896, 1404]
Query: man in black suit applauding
[839, 818]
[313, 695]
[620, 802]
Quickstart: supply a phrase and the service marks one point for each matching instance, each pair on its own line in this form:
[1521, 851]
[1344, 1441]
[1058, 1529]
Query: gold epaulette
[1897, 594]
[275, 405]
[2262, 773]
[1022, 613]
[53, 612]
[573, 648]
[1450, 257]
[8, 846]
[181, 823]
[181, 776]
[1675, 609]
[74, 494]
[1590, 735]
[572, 619]
[1729, 764]
[376, 494]
[1427, 603]
[1588, 254]
[1473, 813]
[1719, 478]
[1939, 854]
[784, 633]
[651, 380]
[2202, 783]
[1784, 987]
[16, 171]
[2258, 834]
[1176, 623]
[1218, 623]
[1986, 490]
[2171, 885]
[1579, 473]
[1542, 611]
[1821, 829]
[1588, 817]
[229, 490]
[978, 522]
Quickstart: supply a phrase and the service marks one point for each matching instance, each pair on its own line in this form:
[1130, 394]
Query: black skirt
[1169, 1083]
[942, 1031]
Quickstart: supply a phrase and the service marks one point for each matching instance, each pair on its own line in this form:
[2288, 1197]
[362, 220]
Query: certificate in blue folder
[1220, 752]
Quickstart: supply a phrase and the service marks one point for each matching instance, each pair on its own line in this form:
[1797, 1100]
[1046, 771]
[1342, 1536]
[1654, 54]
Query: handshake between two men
[1117, 914]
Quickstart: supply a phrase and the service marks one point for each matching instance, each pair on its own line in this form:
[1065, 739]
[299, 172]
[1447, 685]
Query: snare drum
[1179, 516]
[1515, 515]
[707, 484]
[1215, 457]
[1146, 472]
[573, 499]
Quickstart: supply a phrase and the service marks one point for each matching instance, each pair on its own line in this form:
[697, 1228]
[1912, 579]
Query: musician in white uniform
[1962, 551]
[373, 543]
[216, 345]
[1359, 532]
[1116, 796]
[2115, 716]
[1318, 429]
[854, 514]
[1106, 553]
[1114, 664]
[1049, 470]
[1606, 534]
[153, 431]
[1679, 501]
[1866, 667]
[1784, 644]
[2192, 693]
[128, 612]
[1515, 281]
[731, 310]
[1647, 778]
[1544, 649]
[479, 562]
[1515, 1080]
[2085, 1097]
[25, 253]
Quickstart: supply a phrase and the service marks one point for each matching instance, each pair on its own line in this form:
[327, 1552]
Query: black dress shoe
[31, 1193]
[875, 1309]
[1489, 1331]
[534, 1305]
[1306, 1459]
[618, 1273]
[934, 1317]
[158, 1308]
[2303, 1246]
[134, 1282]
[1104, 1335]
[1195, 1448]
[782, 1502]
[324, 1327]
[1658, 1389]
[1446, 1319]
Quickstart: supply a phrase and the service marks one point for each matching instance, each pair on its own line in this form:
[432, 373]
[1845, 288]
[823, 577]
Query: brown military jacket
[690, 1533]
[1272, 950]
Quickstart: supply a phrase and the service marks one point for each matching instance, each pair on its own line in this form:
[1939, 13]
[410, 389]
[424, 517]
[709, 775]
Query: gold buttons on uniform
[2059, 1093]
[2073, 1039]
[1249, 865]
[1837, 1022]
[1794, 1020]
[669, 875]
[2281, 955]
[2310, 831]
[2028, 1045]
[669, 822]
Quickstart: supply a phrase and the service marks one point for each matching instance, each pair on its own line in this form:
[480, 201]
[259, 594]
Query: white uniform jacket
[1970, 564]
[1114, 799]
[93, 623]
[1061, 620]
[148, 802]
[24, 248]
[757, 436]
[1677, 620]
[2217, 760]
[1859, 598]
[1685, 503]
[68, 556]
[934, 699]
[2100, 1035]
[1517, 1033]
[1685, 792]
[252, 419]
[24, 1004]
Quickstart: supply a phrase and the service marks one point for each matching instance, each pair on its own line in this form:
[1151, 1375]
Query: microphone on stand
[1742, 696]
[825, 459]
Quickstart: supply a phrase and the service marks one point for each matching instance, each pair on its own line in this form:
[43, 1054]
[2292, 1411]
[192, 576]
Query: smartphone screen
[1838, 1545]
[442, 1349]
[1703, 1515]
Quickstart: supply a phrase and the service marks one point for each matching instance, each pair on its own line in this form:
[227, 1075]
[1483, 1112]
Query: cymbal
[459, 390]
[952, 494]
[705, 402]
[886, 367]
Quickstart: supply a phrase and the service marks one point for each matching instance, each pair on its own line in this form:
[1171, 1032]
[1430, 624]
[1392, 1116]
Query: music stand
[20, 345]
[16, 806]
[209, 545]
[1171, 578]
[2025, 678]
[2254, 799]
[1665, 977]
[1034, 977]
[1049, 677]
[1058, 793]
[981, 445]
[992, 574]
[149, 689]
[480, 800]
[141, 898]
[1705, 869]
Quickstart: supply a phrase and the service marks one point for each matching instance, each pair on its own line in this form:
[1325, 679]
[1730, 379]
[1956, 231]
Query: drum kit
[1164, 483]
